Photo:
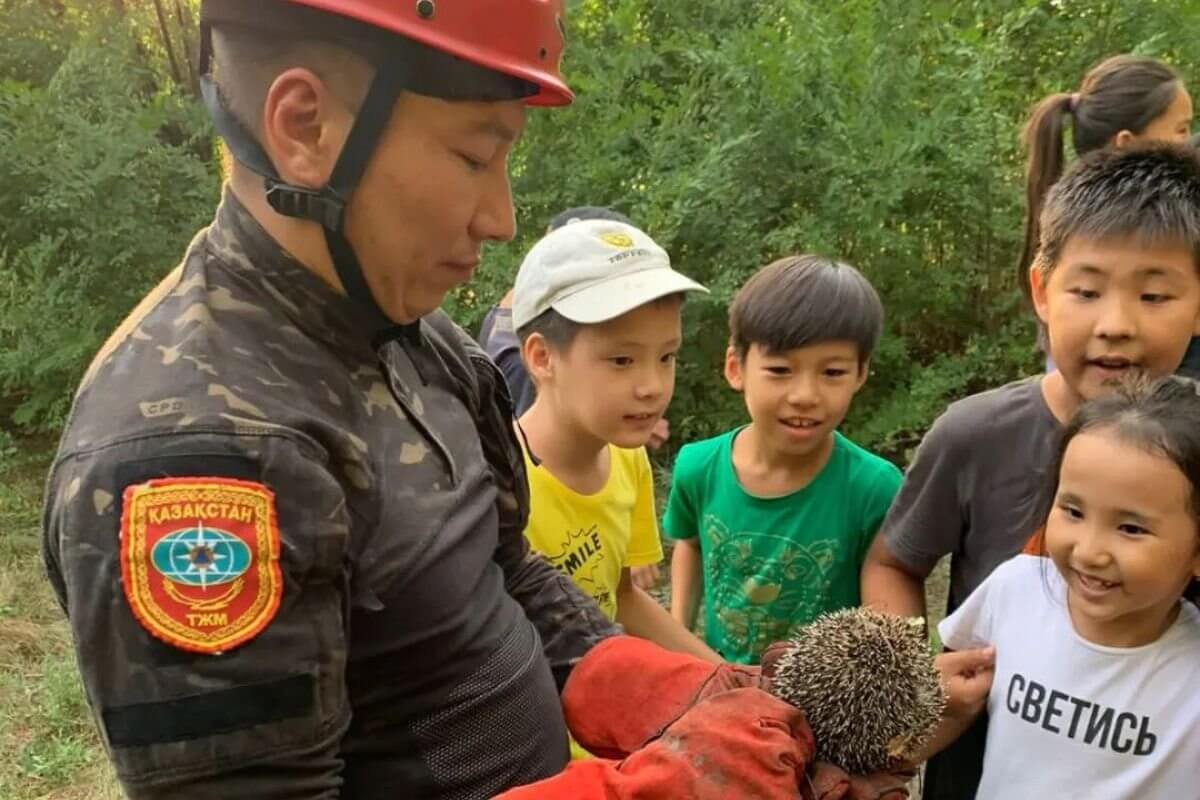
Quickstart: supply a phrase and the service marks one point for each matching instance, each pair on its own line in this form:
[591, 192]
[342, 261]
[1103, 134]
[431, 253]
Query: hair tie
[1073, 102]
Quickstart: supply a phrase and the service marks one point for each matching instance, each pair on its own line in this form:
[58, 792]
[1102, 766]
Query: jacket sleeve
[568, 621]
[214, 667]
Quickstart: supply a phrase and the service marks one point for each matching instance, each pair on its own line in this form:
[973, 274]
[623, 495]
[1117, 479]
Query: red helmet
[521, 38]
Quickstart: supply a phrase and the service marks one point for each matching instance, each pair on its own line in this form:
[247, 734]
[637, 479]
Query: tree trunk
[189, 42]
[166, 38]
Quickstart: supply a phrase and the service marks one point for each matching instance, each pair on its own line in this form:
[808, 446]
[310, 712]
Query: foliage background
[881, 132]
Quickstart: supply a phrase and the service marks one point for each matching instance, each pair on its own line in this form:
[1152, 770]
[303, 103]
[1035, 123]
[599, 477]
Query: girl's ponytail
[1042, 139]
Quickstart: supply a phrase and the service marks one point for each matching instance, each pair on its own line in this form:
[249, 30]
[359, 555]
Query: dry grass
[49, 749]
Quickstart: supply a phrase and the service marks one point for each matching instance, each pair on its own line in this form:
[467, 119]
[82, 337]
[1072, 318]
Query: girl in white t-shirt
[1098, 646]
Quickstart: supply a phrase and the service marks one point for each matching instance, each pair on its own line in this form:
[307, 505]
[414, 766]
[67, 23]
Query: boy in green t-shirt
[773, 520]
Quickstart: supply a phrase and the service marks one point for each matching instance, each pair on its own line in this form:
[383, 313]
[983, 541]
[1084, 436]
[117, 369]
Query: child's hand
[659, 434]
[967, 679]
[647, 577]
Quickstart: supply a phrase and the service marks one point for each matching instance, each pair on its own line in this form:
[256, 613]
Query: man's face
[435, 190]
[1117, 306]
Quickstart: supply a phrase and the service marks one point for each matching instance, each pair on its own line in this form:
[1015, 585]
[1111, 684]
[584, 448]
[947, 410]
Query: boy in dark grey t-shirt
[1116, 284]
[973, 488]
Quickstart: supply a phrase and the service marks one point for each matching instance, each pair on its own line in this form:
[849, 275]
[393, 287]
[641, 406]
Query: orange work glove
[626, 691]
[736, 744]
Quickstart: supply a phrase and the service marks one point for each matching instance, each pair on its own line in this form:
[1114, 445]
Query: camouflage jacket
[294, 563]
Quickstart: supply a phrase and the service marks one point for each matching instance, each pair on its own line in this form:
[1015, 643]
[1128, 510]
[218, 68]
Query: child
[498, 338]
[1122, 101]
[772, 520]
[596, 306]
[1116, 282]
[1096, 700]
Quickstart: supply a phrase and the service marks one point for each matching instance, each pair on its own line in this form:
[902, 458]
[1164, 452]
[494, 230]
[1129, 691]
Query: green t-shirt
[773, 564]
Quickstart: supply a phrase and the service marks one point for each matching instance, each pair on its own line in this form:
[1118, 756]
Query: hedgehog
[867, 684]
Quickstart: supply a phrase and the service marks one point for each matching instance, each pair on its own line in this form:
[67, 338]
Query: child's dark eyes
[1131, 529]
[836, 372]
[779, 372]
[669, 358]
[1154, 299]
[621, 361]
[1084, 294]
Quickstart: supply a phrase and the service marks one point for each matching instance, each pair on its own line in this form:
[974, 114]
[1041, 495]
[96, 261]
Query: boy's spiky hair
[802, 300]
[1151, 192]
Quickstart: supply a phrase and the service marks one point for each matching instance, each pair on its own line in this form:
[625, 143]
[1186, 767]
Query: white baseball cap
[592, 271]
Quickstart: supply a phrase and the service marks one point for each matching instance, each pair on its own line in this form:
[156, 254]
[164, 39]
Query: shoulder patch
[200, 560]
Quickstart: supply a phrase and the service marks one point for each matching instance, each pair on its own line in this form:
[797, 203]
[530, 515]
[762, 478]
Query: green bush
[105, 182]
[882, 132]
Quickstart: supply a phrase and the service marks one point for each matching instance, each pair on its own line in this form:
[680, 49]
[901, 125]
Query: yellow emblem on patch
[200, 560]
[617, 239]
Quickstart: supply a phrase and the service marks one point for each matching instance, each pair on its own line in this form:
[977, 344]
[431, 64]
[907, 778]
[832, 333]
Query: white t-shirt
[1069, 718]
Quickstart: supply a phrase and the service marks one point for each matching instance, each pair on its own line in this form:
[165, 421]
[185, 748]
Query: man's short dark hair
[1151, 192]
[804, 300]
[586, 212]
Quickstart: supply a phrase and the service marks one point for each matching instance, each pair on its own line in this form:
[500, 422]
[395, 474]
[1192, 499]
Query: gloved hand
[736, 744]
[625, 691]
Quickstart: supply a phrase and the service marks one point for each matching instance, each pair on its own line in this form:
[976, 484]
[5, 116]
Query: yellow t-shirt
[591, 538]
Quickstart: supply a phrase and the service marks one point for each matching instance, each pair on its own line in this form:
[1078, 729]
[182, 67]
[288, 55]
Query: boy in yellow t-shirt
[595, 538]
[596, 306]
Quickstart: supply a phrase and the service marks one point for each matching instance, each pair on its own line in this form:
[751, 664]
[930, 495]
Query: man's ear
[734, 370]
[304, 126]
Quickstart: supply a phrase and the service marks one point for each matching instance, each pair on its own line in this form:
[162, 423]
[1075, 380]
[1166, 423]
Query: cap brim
[611, 299]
